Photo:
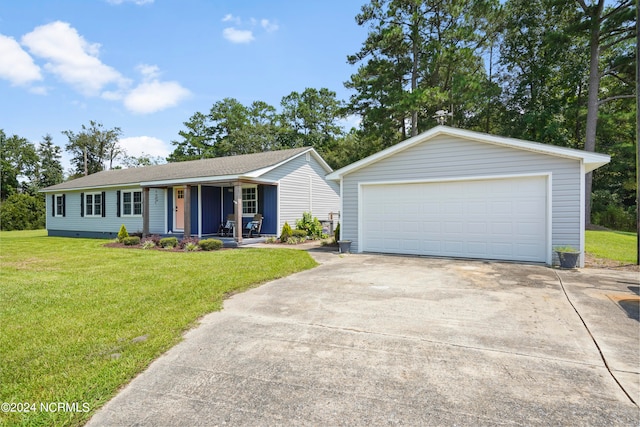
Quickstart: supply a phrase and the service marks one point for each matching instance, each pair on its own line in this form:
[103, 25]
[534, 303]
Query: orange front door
[179, 214]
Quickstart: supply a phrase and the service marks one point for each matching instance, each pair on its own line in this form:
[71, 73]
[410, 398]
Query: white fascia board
[204, 180]
[93, 187]
[172, 182]
[591, 160]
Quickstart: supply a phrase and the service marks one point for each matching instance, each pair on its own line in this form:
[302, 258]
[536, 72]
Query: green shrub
[131, 241]
[189, 241]
[270, 240]
[148, 244]
[311, 225]
[210, 244]
[22, 212]
[608, 210]
[122, 234]
[287, 232]
[299, 234]
[169, 242]
[295, 240]
[191, 246]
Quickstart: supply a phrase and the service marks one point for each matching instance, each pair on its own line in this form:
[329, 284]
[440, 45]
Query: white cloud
[15, 64]
[238, 36]
[145, 145]
[151, 96]
[230, 18]
[72, 58]
[75, 61]
[149, 72]
[269, 26]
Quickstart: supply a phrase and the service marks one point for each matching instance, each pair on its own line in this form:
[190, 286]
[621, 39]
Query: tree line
[558, 72]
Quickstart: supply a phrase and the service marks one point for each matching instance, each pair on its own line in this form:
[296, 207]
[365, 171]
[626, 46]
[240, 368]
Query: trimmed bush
[210, 244]
[131, 241]
[286, 232]
[122, 234]
[168, 242]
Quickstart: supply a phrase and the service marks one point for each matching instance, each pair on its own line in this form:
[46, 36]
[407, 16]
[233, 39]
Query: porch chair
[254, 226]
[227, 227]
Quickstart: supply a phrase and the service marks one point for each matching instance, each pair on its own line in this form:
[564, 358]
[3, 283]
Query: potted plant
[568, 256]
[345, 246]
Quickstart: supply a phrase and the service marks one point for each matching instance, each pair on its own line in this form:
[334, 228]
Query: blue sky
[147, 65]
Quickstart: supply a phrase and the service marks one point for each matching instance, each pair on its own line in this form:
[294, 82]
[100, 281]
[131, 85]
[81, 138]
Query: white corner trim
[199, 211]
[582, 213]
[549, 237]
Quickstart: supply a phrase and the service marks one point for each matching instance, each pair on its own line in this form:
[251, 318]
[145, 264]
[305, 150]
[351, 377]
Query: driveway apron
[375, 339]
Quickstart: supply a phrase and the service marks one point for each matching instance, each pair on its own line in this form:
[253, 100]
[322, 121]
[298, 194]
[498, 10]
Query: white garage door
[490, 218]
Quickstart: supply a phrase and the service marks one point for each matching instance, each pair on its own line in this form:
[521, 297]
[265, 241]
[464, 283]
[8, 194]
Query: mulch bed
[155, 248]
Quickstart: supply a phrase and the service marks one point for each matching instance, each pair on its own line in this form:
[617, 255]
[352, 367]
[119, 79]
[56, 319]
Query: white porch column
[187, 211]
[237, 197]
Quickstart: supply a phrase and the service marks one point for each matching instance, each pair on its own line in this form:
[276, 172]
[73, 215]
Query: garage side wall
[447, 157]
[303, 188]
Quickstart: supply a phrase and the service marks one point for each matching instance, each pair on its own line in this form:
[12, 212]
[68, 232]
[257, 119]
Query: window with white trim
[131, 203]
[249, 200]
[93, 204]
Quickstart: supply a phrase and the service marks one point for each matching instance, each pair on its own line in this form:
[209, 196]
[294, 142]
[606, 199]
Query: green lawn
[71, 310]
[616, 245]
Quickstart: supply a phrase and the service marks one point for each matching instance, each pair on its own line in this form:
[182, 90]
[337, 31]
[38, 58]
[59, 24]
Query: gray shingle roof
[219, 166]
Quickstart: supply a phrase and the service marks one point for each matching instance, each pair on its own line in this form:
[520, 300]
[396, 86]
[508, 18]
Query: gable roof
[215, 169]
[591, 160]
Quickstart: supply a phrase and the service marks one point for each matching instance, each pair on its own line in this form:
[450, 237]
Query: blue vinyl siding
[227, 202]
[268, 202]
[170, 209]
[194, 209]
[210, 209]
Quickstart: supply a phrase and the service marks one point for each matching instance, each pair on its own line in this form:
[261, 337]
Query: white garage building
[456, 193]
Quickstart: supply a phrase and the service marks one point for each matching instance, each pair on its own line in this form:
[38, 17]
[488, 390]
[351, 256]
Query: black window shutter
[64, 204]
[81, 204]
[53, 205]
[118, 203]
[104, 204]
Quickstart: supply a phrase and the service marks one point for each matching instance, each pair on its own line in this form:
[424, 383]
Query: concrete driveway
[373, 339]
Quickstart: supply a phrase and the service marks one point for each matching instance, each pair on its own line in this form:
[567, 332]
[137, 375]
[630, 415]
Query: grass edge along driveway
[78, 320]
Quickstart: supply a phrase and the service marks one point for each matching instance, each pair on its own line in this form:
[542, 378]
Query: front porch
[198, 210]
